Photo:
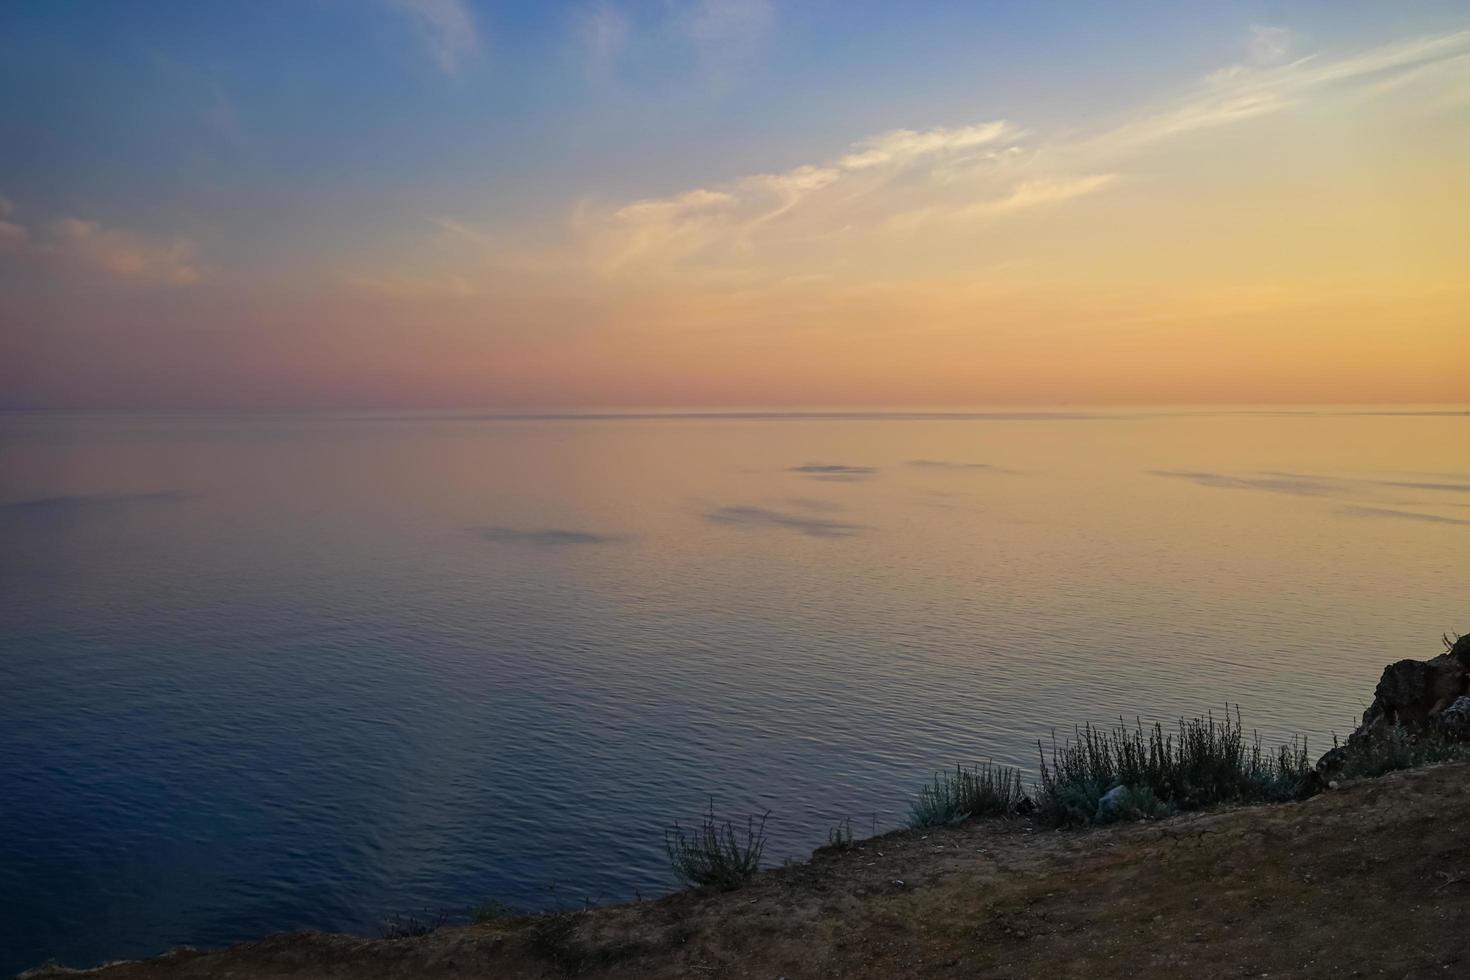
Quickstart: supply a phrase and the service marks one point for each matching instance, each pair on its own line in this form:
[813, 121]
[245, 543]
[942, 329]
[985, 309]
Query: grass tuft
[716, 855]
[840, 837]
[983, 791]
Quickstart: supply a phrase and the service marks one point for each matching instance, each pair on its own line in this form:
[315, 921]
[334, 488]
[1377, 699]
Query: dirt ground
[1371, 879]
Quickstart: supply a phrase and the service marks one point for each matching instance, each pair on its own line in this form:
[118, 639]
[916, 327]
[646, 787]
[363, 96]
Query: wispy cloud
[947, 465]
[974, 174]
[124, 254]
[67, 504]
[1402, 515]
[1438, 487]
[727, 220]
[546, 537]
[987, 228]
[13, 237]
[1261, 86]
[726, 34]
[447, 30]
[902, 146]
[836, 472]
[1269, 482]
[1269, 44]
[759, 518]
[603, 31]
[93, 249]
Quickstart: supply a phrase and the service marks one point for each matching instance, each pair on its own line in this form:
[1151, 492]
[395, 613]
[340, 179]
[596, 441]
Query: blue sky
[288, 110]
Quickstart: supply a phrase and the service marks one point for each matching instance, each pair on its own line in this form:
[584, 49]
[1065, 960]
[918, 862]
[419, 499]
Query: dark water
[260, 673]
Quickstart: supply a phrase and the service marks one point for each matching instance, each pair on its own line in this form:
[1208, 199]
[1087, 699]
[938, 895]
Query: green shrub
[1388, 750]
[1207, 762]
[715, 855]
[983, 791]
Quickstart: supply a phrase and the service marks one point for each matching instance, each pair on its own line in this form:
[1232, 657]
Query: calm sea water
[271, 672]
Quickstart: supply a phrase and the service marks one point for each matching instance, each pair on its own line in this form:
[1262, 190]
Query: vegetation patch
[716, 855]
[1102, 775]
[1386, 750]
[409, 926]
[981, 791]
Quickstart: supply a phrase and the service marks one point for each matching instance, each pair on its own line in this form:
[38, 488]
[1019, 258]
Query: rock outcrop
[1415, 697]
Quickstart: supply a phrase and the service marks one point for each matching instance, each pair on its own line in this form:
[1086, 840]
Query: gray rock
[1454, 721]
[1115, 804]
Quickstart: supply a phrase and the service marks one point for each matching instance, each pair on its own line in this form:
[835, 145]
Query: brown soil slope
[1372, 879]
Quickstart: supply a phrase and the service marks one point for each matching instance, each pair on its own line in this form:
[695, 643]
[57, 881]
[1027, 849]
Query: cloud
[757, 518]
[1271, 483]
[116, 253]
[726, 34]
[66, 504]
[942, 464]
[1406, 515]
[1038, 193]
[904, 145]
[731, 217]
[550, 537]
[447, 29]
[895, 181]
[814, 505]
[123, 254]
[1026, 195]
[13, 237]
[930, 225]
[835, 472]
[724, 21]
[1441, 487]
[1269, 45]
[1262, 87]
[602, 34]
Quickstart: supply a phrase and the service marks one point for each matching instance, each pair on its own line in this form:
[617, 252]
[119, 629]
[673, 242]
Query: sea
[264, 672]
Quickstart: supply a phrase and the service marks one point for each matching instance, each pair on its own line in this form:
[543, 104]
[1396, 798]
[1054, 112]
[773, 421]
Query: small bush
[715, 854]
[1207, 762]
[983, 791]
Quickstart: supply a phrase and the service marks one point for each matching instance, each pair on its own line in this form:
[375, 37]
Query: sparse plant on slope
[715, 854]
[840, 837]
[409, 926]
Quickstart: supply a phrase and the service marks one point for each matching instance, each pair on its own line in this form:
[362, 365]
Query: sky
[435, 204]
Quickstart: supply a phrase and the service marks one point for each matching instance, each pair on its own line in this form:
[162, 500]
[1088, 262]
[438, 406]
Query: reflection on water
[276, 672]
